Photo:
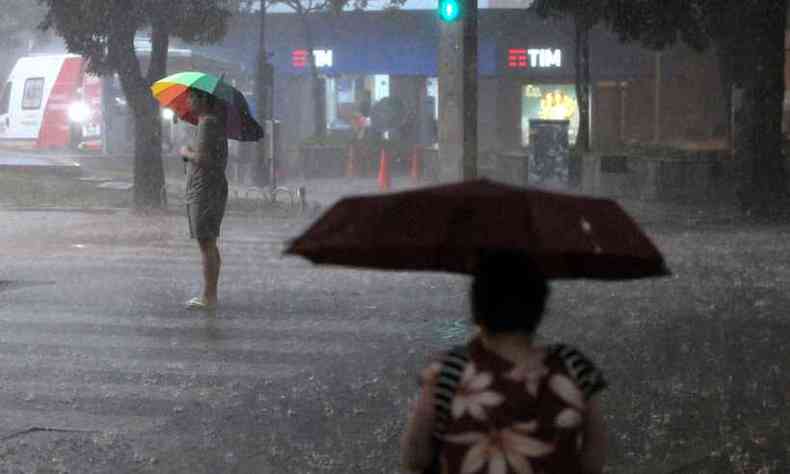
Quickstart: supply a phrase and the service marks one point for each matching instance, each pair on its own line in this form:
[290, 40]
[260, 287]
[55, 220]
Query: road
[96, 347]
[310, 370]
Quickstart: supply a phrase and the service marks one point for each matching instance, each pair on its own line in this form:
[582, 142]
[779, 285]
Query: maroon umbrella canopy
[445, 228]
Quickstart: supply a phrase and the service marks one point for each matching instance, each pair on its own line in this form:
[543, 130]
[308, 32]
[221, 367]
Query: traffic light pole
[458, 90]
[470, 88]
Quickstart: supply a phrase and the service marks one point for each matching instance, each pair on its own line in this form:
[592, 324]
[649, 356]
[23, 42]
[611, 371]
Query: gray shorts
[205, 219]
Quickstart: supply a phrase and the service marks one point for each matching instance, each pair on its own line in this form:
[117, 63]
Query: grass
[30, 189]
[20, 189]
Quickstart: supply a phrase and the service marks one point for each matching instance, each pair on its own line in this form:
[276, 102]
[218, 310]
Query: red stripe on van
[55, 124]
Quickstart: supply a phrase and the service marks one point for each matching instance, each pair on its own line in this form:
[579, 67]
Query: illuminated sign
[299, 58]
[322, 57]
[522, 58]
[517, 58]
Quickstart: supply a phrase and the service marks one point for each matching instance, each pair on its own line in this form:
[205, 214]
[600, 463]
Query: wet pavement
[309, 370]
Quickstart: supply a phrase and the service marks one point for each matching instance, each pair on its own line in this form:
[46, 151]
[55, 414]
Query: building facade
[526, 68]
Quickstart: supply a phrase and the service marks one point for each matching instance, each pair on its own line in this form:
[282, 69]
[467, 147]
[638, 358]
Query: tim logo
[299, 58]
[517, 58]
[323, 58]
[523, 58]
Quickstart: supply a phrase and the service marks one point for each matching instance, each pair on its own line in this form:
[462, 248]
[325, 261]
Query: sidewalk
[328, 191]
[324, 192]
[114, 174]
[34, 162]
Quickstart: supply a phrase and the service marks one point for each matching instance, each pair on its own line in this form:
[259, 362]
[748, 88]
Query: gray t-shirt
[206, 179]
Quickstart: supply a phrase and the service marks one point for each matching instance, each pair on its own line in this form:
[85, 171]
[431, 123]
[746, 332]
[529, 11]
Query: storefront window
[340, 101]
[381, 87]
[432, 86]
[347, 96]
[549, 102]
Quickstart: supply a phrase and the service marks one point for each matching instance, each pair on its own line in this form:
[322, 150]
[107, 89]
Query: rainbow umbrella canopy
[173, 91]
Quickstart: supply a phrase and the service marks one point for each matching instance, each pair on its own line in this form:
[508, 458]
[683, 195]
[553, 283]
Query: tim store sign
[323, 58]
[526, 58]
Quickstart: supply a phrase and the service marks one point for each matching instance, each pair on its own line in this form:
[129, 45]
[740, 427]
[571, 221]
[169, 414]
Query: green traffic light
[449, 10]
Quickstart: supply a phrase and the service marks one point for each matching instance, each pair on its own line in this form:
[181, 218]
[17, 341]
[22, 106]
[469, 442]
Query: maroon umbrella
[445, 228]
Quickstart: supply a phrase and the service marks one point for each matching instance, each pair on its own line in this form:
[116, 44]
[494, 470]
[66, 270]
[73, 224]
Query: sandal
[198, 304]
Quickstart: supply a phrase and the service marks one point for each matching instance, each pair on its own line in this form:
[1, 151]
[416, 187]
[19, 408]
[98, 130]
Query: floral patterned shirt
[508, 419]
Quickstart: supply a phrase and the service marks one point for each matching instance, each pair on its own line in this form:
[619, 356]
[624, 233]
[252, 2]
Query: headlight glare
[79, 112]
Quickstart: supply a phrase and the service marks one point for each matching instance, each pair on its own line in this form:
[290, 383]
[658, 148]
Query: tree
[103, 31]
[585, 15]
[749, 37]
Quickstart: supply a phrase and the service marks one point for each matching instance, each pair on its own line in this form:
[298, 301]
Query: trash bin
[550, 150]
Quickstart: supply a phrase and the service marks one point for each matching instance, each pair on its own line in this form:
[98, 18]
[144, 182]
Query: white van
[50, 102]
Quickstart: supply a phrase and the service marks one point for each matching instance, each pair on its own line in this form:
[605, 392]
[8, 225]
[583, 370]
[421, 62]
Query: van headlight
[79, 112]
[168, 114]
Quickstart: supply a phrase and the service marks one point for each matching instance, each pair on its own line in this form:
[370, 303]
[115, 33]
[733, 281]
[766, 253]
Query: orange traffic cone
[351, 171]
[416, 169]
[384, 171]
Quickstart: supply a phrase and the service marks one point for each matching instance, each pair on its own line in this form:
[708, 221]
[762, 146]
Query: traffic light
[449, 10]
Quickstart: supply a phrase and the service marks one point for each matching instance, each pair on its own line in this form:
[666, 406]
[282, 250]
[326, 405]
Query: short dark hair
[508, 293]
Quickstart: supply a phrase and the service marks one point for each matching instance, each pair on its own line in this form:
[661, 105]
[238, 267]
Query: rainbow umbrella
[172, 92]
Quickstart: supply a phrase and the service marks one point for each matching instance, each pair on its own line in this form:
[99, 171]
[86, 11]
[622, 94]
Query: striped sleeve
[586, 375]
[453, 363]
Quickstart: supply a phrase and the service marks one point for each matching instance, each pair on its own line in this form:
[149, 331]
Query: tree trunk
[766, 181]
[160, 43]
[149, 179]
[316, 87]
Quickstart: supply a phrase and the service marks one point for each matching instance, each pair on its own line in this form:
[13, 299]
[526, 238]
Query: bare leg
[211, 264]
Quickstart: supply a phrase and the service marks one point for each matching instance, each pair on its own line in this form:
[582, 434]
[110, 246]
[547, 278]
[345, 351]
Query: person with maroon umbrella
[500, 403]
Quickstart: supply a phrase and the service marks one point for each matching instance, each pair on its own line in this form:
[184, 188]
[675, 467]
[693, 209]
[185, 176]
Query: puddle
[454, 332]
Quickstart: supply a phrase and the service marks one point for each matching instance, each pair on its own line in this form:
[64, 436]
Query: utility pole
[264, 96]
[470, 89]
[458, 89]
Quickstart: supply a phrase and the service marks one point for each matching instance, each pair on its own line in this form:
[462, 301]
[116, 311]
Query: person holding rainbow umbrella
[220, 112]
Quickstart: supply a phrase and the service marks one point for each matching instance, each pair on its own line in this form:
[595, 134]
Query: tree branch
[121, 48]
